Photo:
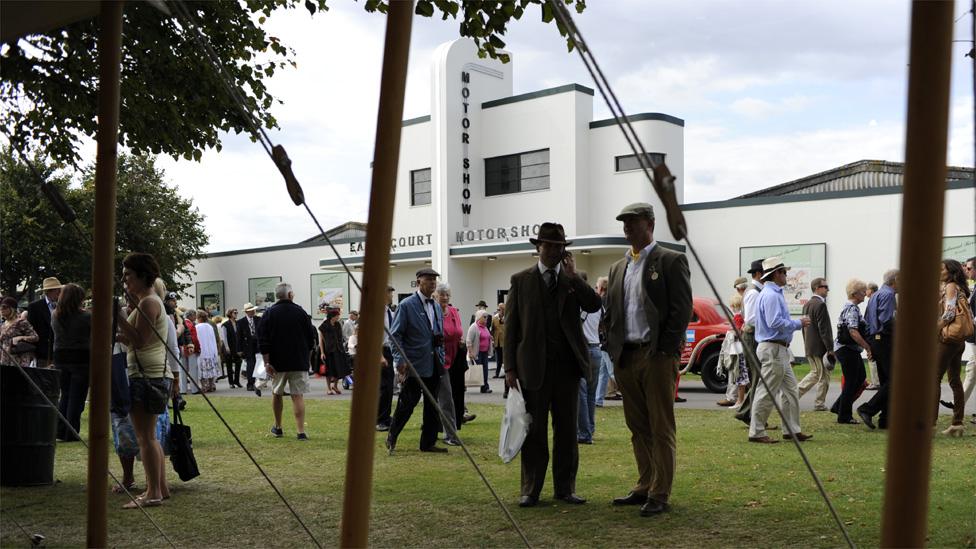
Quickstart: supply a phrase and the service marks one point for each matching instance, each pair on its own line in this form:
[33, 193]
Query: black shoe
[257, 392]
[182, 405]
[277, 431]
[528, 501]
[468, 418]
[485, 389]
[632, 498]
[434, 450]
[571, 498]
[382, 427]
[866, 418]
[947, 404]
[653, 507]
[584, 441]
[302, 436]
[680, 399]
[249, 387]
[221, 377]
[390, 444]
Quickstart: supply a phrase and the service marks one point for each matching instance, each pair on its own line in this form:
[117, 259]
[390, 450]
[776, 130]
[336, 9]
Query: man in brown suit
[545, 356]
[818, 340]
[648, 307]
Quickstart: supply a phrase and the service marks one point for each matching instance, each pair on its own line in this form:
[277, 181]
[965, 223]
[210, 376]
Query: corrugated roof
[863, 174]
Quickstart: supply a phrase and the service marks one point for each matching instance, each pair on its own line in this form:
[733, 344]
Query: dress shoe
[257, 392]
[632, 498]
[866, 418]
[947, 404]
[799, 436]
[725, 402]
[486, 389]
[250, 387]
[468, 417]
[434, 450]
[382, 427]
[528, 501]
[653, 507]
[571, 498]
[763, 440]
[680, 399]
[390, 444]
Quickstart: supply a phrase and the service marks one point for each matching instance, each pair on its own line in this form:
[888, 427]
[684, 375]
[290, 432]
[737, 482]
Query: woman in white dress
[209, 359]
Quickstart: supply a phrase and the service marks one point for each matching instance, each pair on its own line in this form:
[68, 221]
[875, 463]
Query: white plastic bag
[259, 371]
[515, 426]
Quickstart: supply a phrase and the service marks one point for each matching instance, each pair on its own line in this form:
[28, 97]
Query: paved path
[691, 388]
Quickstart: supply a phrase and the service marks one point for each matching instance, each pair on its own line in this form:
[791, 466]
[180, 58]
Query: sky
[770, 91]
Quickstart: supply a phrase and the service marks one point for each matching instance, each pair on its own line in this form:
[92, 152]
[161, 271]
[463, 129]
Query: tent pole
[103, 265]
[362, 424]
[905, 515]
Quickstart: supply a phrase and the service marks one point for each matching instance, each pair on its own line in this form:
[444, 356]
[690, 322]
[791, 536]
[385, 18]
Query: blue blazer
[412, 331]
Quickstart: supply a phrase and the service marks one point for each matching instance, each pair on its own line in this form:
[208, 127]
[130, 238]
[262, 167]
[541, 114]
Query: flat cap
[642, 209]
[427, 271]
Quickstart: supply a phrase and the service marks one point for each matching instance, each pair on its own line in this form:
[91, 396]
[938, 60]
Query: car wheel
[714, 380]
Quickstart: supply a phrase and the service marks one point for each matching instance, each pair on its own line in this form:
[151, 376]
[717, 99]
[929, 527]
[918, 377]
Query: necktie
[429, 310]
[52, 304]
[250, 322]
[550, 278]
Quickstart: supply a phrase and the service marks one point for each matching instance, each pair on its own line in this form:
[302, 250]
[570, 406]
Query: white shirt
[636, 329]
[749, 302]
[428, 307]
[223, 335]
[591, 327]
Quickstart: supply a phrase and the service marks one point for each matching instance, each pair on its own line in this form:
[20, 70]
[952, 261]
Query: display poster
[806, 262]
[261, 291]
[210, 297]
[328, 290]
[959, 248]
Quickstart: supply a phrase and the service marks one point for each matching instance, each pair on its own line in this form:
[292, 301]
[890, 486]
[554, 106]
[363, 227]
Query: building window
[420, 187]
[517, 172]
[630, 162]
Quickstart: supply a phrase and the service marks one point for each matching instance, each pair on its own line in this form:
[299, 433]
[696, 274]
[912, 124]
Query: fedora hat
[552, 233]
[248, 307]
[771, 265]
[481, 304]
[756, 267]
[50, 283]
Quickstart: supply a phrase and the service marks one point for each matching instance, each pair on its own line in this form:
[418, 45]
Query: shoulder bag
[961, 327]
[181, 448]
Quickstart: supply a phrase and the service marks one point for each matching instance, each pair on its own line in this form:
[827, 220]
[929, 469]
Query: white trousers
[818, 377]
[776, 369]
[969, 382]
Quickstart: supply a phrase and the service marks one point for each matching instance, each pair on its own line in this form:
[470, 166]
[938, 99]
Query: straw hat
[50, 283]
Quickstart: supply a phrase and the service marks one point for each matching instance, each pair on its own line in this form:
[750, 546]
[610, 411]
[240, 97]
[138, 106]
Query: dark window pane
[630, 162]
[420, 187]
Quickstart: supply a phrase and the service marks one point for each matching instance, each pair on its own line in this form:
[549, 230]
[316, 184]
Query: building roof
[860, 175]
[349, 229]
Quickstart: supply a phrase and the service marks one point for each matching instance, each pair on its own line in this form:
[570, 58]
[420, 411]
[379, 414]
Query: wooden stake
[362, 423]
[912, 397]
[103, 265]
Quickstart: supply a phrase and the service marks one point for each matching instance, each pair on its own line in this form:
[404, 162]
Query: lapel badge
[654, 274]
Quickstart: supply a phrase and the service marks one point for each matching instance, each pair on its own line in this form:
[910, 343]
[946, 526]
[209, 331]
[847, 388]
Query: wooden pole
[362, 424]
[103, 265]
[912, 398]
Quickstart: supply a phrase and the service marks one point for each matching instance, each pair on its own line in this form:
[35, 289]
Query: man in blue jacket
[419, 329]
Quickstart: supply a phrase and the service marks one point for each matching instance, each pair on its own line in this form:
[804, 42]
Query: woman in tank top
[144, 331]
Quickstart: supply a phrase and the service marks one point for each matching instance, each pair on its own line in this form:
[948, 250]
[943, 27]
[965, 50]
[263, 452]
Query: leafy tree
[172, 100]
[151, 217]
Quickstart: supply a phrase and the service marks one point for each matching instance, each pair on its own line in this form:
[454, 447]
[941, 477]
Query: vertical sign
[465, 160]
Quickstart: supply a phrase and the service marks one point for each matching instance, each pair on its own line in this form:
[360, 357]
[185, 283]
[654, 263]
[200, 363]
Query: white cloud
[760, 108]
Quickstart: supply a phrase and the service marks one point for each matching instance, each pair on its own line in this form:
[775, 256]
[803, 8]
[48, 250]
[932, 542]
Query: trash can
[28, 426]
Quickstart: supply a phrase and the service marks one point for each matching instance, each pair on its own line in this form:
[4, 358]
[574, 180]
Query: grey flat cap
[642, 209]
[427, 271]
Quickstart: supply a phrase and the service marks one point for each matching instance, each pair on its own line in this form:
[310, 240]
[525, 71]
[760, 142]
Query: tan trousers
[818, 377]
[647, 384]
[778, 372]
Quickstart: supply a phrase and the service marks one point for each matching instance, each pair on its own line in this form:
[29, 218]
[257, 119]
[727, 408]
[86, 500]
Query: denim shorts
[150, 394]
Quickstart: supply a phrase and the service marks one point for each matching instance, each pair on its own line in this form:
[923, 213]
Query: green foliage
[172, 100]
[150, 216]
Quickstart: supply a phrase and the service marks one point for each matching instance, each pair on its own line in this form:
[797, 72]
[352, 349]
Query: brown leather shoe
[726, 402]
[799, 436]
[763, 440]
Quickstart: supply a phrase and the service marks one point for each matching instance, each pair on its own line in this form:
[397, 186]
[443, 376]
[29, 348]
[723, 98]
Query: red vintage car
[704, 337]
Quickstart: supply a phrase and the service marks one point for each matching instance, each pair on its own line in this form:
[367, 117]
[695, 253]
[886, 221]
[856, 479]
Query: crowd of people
[566, 346]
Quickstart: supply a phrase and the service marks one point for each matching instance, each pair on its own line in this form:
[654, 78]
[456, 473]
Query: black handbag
[181, 448]
[22, 347]
[844, 333]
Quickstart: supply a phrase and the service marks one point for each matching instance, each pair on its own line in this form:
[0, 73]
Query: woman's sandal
[117, 489]
[144, 502]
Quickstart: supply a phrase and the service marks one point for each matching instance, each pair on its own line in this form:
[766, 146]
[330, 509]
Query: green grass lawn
[727, 493]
